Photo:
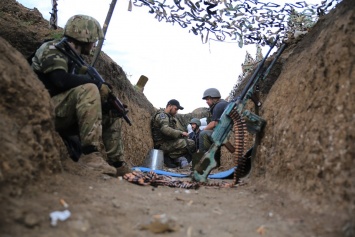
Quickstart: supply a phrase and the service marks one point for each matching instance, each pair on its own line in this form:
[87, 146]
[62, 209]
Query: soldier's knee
[91, 90]
[91, 87]
[192, 149]
[190, 143]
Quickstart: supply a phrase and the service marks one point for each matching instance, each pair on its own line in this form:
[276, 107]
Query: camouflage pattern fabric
[81, 106]
[205, 140]
[48, 58]
[112, 138]
[205, 144]
[78, 110]
[168, 137]
[177, 148]
[242, 21]
[164, 127]
[84, 29]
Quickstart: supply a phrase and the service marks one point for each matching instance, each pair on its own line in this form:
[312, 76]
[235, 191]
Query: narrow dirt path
[104, 206]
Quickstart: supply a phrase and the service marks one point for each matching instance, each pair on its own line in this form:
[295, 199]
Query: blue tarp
[220, 175]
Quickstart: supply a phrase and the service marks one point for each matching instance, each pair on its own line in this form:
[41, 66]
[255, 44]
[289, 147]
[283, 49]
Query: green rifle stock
[92, 72]
[224, 127]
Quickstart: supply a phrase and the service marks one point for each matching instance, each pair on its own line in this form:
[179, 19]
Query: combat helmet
[211, 92]
[83, 28]
[195, 120]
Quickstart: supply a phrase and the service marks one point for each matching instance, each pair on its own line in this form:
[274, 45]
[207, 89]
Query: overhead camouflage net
[245, 21]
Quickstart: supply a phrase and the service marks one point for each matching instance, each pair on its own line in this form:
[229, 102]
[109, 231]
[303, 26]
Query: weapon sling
[117, 104]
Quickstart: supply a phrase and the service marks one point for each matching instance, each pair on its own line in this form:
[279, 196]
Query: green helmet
[195, 120]
[84, 29]
[211, 92]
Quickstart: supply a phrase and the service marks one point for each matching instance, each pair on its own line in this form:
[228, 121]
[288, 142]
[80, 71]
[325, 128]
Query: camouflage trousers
[177, 148]
[206, 142]
[78, 112]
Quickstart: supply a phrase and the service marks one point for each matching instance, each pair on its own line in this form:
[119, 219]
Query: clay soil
[303, 178]
[103, 206]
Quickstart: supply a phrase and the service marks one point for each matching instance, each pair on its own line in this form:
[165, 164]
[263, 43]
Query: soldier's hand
[184, 134]
[105, 90]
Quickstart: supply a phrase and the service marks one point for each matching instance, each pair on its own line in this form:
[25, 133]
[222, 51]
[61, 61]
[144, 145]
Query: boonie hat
[176, 103]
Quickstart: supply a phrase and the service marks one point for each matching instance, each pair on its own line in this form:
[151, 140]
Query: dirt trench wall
[27, 147]
[24, 29]
[308, 143]
[137, 139]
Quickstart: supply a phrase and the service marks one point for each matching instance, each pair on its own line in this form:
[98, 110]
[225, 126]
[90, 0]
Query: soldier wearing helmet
[78, 99]
[194, 135]
[217, 106]
[168, 138]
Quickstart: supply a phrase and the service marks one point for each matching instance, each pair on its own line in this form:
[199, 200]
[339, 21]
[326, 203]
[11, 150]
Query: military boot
[122, 168]
[168, 162]
[96, 162]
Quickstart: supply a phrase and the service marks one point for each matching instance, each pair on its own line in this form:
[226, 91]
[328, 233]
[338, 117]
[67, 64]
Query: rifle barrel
[281, 49]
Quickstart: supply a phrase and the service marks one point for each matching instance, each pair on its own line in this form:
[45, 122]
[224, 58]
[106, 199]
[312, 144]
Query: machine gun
[119, 107]
[233, 119]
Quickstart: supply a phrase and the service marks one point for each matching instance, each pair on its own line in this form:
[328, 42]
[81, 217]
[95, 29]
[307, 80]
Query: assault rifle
[120, 108]
[233, 114]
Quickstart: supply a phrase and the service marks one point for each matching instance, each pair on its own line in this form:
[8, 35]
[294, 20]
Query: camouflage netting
[25, 34]
[307, 147]
[248, 21]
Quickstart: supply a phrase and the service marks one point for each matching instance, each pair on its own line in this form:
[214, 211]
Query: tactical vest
[156, 133]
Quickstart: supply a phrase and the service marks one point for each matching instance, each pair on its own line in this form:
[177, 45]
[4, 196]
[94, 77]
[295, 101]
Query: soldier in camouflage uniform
[78, 98]
[172, 141]
[217, 106]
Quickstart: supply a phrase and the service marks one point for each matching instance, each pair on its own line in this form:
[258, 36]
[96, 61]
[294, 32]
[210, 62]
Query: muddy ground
[303, 177]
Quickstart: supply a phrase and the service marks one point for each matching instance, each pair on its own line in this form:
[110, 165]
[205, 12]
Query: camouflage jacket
[48, 59]
[164, 127]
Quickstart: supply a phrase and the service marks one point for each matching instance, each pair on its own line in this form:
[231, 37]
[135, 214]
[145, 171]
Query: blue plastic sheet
[219, 175]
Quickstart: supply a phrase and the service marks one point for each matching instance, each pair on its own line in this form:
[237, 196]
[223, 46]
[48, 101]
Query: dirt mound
[306, 151]
[27, 144]
[308, 143]
[26, 32]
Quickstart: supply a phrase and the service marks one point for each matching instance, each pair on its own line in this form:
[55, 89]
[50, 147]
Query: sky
[176, 62]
